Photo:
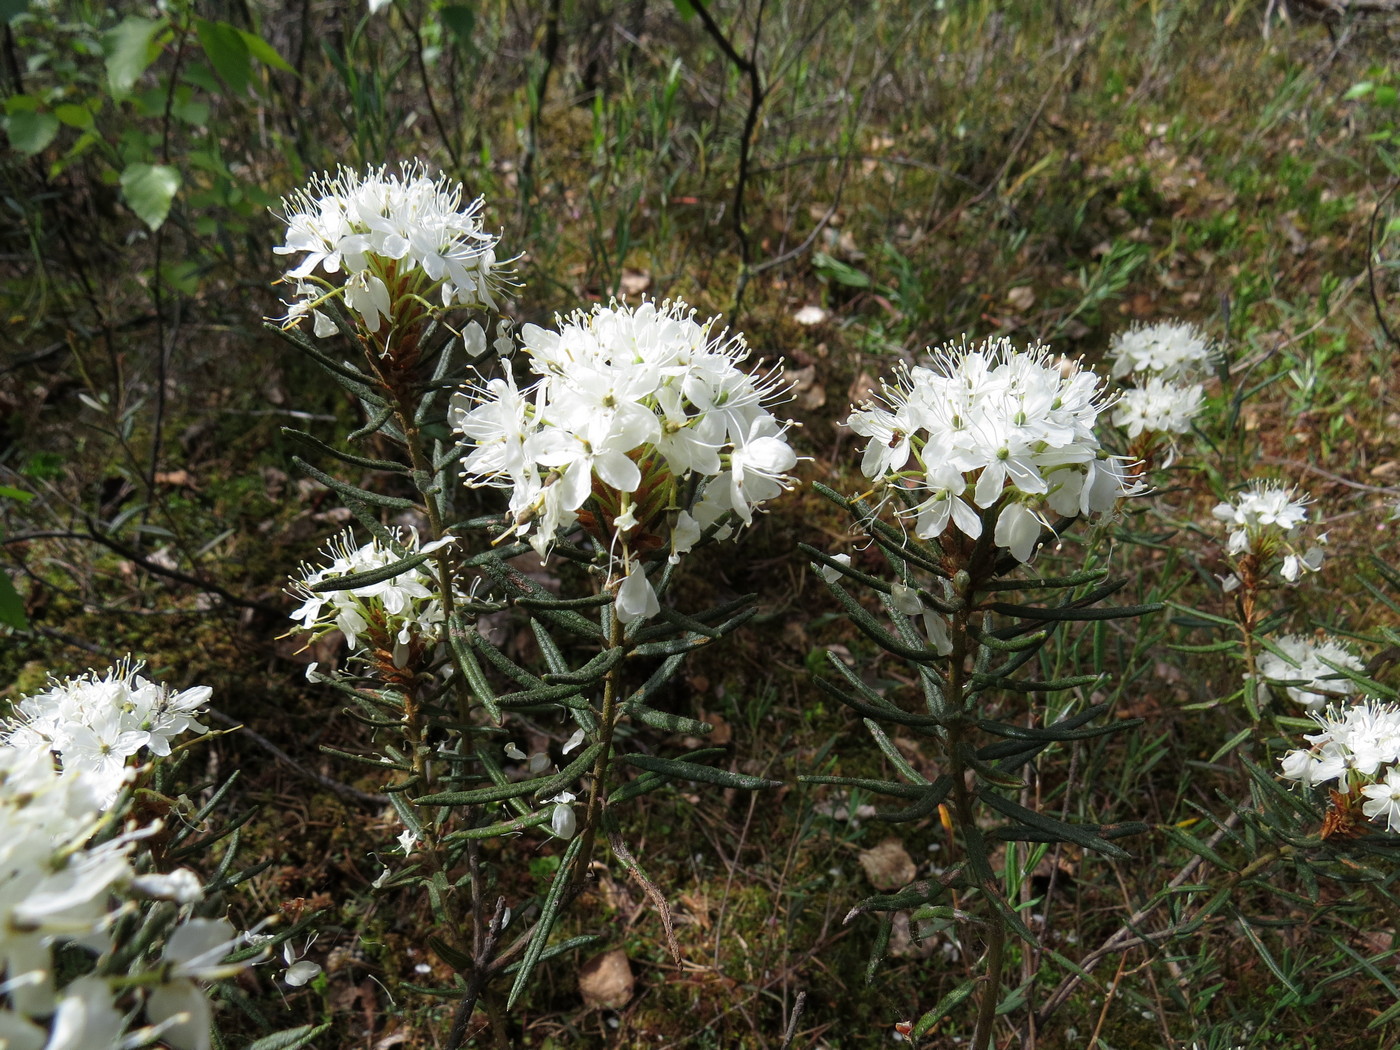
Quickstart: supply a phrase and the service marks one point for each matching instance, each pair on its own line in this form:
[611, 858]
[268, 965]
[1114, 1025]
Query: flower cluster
[641, 428]
[1266, 522]
[1166, 350]
[1358, 747]
[1160, 407]
[62, 884]
[1309, 674]
[390, 245]
[1164, 359]
[96, 722]
[991, 432]
[401, 614]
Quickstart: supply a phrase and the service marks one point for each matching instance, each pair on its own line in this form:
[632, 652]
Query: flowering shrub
[996, 438]
[76, 877]
[638, 438]
[978, 450]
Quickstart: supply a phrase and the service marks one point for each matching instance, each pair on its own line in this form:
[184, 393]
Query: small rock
[888, 866]
[606, 980]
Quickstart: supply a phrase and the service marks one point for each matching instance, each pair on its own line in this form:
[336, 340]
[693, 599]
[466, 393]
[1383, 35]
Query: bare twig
[481, 970]
[135, 557]
[799, 1005]
[757, 96]
[1371, 264]
[1126, 936]
[344, 790]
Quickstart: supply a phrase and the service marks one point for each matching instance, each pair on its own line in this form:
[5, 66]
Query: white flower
[988, 429]
[1354, 742]
[639, 422]
[1384, 800]
[831, 573]
[1167, 350]
[299, 970]
[574, 741]
[86, 1018]
[182, 886]
[399, 240]
[1306, 675]
[1266, 520]
[562, 820]
[97, 723]
[636, 598]
[1160, 407]
[396, 613]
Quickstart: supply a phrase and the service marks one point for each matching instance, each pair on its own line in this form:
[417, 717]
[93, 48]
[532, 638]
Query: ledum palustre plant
[607, 449]
[977, 459]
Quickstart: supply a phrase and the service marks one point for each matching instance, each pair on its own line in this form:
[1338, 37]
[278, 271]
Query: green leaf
[942, 1009]
[227, 53]
[264, 52]
[149, 190]
[834, 269]
[74, 116]
[549, 912]
[291, 1039]
[130, 49]
[11, 606]
[681, 770]
[18, 494]
[370, 577]
[686, 9]
[461, 23]
[1029, 818]
[30, 133]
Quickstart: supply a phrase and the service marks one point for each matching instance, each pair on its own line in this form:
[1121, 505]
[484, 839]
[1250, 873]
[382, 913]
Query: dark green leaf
[678, 769]
[942, 1009]
[227, 53]
[264, 52]
[370, 576]
[549, 912]
[11, 606]
[1078, 834]
[291, 1039]
[461, 23]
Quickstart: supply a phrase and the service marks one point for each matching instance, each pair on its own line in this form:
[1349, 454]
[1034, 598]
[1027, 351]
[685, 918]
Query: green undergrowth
[919, 171]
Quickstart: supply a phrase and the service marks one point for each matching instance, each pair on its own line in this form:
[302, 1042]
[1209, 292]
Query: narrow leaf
[682, 770]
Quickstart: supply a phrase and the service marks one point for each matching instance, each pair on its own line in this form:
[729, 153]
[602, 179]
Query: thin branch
[134, 556]
[1371, 265]
[344, 790]
[1127, 936]
[481, 970]
[757, 96]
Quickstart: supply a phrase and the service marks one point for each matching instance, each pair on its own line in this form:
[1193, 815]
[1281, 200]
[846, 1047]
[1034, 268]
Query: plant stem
[962, 644]
[600, 765]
